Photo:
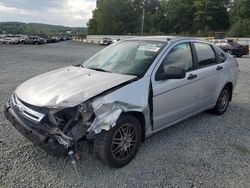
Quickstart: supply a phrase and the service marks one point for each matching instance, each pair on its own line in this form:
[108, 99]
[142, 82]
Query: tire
[222, 102]
[36, 43]
[239, 55]
[113, 148]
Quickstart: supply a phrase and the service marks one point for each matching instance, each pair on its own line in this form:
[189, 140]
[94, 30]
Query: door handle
[219, 68]
[192, 76]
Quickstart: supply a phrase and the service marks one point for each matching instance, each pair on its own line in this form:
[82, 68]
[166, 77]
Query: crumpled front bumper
[43, 140]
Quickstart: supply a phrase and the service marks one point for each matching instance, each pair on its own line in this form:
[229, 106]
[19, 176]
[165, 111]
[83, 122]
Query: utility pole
[143, 18]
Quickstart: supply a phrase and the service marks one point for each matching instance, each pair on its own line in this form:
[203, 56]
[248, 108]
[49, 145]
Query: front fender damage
[102, 112]
[131, 98]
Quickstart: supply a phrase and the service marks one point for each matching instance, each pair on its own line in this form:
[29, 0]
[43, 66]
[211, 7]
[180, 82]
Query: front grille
[26, 111]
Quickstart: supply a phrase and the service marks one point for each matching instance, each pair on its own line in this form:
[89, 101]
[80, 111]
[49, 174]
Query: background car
[106, 41]
[33, 40]
[233, 48]
[115, 40]
[55, 39]
[10, 40]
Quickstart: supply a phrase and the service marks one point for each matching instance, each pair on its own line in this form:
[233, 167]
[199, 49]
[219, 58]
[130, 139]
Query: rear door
[209, 72]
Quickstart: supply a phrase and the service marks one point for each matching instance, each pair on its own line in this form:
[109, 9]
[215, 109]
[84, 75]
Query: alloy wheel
[223, 100]
[124, 142]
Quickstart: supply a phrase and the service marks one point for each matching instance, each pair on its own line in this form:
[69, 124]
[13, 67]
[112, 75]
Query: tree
[179, 15]
[211, 15]
[44, 30]
[240, 19]
[185, 17]
[112, 17]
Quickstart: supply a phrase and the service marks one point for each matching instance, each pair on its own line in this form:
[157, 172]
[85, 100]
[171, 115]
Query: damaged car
[122, 95]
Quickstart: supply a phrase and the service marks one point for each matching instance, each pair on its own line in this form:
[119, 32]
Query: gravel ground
[204, 151]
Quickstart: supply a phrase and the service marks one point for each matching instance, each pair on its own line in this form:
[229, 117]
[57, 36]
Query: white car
[10, 40]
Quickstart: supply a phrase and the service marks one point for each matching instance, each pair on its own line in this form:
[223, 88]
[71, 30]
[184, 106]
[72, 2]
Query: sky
[75, 13]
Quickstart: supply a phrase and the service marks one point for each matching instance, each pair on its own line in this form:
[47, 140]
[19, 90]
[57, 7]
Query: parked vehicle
[66, 38]
[10, 40]
[106, 41]
[127, 92]
[33, 40]
[55, 39]
[115, 40]
[49, 40]
[22, 38]
[233, 48]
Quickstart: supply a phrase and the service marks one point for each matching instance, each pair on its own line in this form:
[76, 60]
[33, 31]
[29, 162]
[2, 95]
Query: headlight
[87, 112]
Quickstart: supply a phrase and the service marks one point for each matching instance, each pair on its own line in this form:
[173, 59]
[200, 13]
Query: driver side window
[180, 56]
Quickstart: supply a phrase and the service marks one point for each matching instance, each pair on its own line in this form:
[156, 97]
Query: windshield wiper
[99, 69]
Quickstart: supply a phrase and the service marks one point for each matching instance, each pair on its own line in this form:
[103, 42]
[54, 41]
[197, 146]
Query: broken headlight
[87, 113]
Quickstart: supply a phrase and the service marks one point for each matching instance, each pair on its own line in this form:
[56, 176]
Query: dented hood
[67, 87]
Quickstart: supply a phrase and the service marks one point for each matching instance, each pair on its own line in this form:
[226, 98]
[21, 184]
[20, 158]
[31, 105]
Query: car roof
[172, 39]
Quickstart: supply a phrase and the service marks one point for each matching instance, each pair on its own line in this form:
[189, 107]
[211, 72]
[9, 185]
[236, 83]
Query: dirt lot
[204, 151]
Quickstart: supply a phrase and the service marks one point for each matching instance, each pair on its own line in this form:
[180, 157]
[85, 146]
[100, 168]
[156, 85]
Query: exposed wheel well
[230, 85]
[140, 117]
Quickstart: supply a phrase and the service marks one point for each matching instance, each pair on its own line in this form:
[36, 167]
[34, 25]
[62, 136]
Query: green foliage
[211, 15]
[190, 17]
[112, 17]
[124, 17]
[171, 17]
[240, 19]
[179, 14]
[39, 29]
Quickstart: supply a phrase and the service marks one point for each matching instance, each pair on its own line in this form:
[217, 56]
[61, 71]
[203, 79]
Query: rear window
[205, 54]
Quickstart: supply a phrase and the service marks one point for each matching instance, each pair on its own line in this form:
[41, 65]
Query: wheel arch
[230, 85]
[140, 117]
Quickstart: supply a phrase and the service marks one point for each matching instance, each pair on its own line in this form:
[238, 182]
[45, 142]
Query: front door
[175, 98]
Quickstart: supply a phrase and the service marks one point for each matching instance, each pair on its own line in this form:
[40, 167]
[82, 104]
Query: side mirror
[171, 73]
[222, 58]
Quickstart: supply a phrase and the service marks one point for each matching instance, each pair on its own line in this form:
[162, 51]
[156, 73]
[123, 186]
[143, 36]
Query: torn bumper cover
[40, 136]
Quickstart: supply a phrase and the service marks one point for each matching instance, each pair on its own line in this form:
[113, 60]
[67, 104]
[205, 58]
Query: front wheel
[222, 102]
[118, 146]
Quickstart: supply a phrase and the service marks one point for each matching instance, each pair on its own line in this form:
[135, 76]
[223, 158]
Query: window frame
[196, 55]
[192, 55]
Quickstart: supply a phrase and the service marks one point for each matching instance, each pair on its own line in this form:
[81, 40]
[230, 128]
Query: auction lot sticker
[149, 48]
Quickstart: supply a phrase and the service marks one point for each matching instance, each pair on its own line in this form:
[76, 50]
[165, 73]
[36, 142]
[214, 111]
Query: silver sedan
[125, 93]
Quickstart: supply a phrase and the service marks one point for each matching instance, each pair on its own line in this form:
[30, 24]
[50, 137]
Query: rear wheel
[223, 101]
[118, 146]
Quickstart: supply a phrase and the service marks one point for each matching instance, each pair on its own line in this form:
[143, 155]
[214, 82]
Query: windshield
[127, 57]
